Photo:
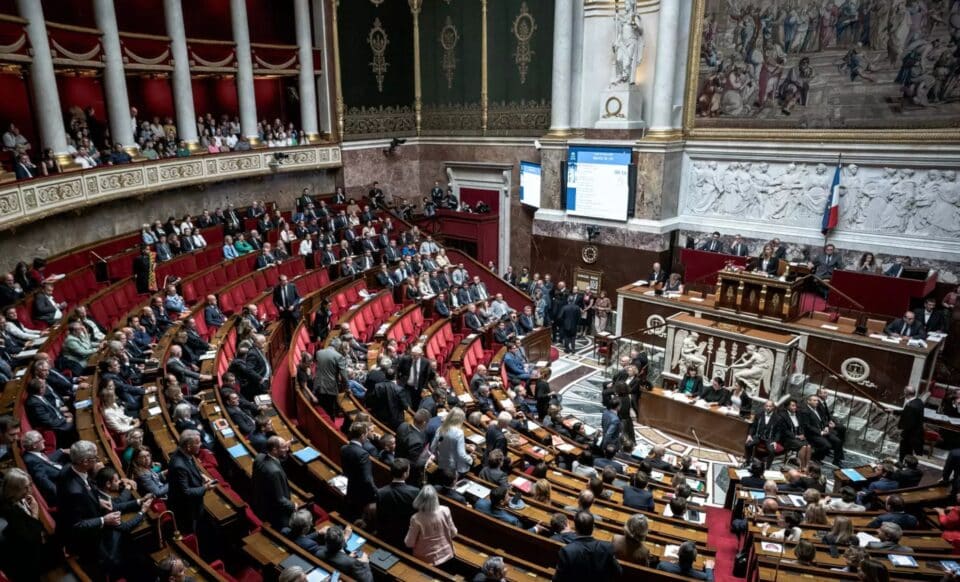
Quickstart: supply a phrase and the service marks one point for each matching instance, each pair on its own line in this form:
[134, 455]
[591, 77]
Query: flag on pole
[831, 211]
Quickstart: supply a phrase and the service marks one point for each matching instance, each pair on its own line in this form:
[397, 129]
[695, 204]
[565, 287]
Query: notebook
[902, 561]
[853, 475]
[238, 450]
[950, 565]
[355, 542]
[306, 454]
[383, 559]
[522, 484]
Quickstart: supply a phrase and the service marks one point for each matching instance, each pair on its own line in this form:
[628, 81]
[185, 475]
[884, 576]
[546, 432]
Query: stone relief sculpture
[628, 44]
[754, 369]
[688, 352]
[891, 201]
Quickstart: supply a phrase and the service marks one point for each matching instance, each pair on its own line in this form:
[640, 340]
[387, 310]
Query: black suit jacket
[914, 330]
[292, 300]
[44, 308]
[78, 514]
[386, 404]
[587, 559]
[809, 422]
[358, 470]
[44, 414]
[911, 419]
[403, 372]
[410, 441]
[186, 488]
[939, 320]
[271, 491]
[244, 422]
[45, 474]
[394, 510]
[496, 439]
[637, 498]
[765, 428]
[660, 277]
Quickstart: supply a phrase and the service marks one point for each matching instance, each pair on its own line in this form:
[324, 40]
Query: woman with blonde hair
[449, 445]
[431, 532]
[841, 533]
[114, 416]
[423, 284]
[630, 546]
[815, 514]
[541, 490]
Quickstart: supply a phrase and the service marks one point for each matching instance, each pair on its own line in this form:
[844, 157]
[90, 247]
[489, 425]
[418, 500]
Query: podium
[759, 294]
[879, 294]
[698, 265]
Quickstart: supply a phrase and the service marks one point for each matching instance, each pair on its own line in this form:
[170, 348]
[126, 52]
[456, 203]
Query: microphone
[99, 258]
[693, 431]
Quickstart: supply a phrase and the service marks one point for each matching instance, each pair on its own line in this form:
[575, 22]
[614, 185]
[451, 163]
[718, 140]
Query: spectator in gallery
[49, 166]
[118, 156]
[24, 168]
[15, 141]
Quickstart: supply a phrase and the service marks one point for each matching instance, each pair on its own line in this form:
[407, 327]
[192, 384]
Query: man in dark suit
[738, 248]
[356, 565]
[46, 308]
[932, 318]
[911, 424]
[240, 417]
[611, 425]
[92, 530]
[895, 513]
[906, 326]
[568, 318]
[266, 257]
[471, 320]
[909, 473]
[824, 265]
[395, 504]
[46, 411]
[287, 300]
[496, 435]
[413, 372]
[636, 495]
[765, 428]
[713, 244]
[686, 557]
[817, 431]
[270, 491]
[43, 469]
[24, 168]
[896, 269]
[357, 468]
[657, 275]
[386, 401]
[586, 558]
[411, 438]
[188, 484]
[440, 307]
[330, 375]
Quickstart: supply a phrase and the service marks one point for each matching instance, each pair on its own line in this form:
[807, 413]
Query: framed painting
[883, 70]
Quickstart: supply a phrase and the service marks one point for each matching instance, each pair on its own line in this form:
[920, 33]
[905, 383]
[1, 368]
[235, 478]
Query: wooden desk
[727, 433]
[758, 294]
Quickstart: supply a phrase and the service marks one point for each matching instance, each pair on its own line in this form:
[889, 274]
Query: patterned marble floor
[582, 398]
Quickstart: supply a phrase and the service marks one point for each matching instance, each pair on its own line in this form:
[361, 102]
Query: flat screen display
[530, 184]
[598, 182]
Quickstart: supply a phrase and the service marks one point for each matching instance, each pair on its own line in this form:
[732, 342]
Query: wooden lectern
[759, 294]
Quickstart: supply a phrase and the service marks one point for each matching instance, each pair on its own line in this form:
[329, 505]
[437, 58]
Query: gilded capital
[415, 6]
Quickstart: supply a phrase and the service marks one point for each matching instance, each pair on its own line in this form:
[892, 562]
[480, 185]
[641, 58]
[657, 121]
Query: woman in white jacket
[114, 415]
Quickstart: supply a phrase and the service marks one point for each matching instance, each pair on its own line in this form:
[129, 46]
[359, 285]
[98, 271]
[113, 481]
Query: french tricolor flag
[831, 211]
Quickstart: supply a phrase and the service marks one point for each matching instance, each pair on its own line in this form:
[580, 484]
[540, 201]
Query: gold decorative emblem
[590, 254]
[523, 28]
[448, 40]
[613, 108]
[378, 41]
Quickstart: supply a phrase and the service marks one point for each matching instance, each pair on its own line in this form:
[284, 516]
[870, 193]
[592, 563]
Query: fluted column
[415, 6]
[46, 98]
[562, 64]
[308, 84]
[484, 93]
[182, 85]
[339, 106]
[245, 93]
[114, 77]
[661, 114]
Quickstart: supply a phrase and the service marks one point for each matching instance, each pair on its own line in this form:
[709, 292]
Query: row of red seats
[474, 356]
[370, 315]
[406, 330]
[345, 298]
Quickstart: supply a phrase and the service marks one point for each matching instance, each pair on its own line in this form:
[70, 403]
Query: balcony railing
[30, 200]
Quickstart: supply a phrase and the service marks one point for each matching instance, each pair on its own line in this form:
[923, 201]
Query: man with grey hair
[293, 574]
[497, 433]
[890, 534]
[188, 484]
[493, 569]
[43, 469]
[413, 373]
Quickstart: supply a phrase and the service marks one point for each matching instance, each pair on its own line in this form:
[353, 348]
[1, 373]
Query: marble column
[114, 77]
[46, 98]
[182, 84]
[308, 84]
[324, 88]
[562, 64]
[247, 97]
[661, 112]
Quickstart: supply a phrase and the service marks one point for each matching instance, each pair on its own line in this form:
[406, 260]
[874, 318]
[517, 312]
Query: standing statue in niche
[629, 43]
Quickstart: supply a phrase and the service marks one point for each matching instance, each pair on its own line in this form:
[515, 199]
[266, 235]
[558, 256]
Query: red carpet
[720, 538]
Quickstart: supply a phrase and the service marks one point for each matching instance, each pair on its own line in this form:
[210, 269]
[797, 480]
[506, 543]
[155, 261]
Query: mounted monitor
[598, 182]
[530, 184]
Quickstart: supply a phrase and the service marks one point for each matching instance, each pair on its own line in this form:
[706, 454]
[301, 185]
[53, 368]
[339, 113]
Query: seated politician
[906, 327]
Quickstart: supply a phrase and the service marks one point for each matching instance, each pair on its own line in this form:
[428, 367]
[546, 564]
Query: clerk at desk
[713, 244]
[906, 326]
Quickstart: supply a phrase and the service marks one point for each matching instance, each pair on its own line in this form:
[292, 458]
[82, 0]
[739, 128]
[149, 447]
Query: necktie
[416, 372]
[904, 330]
[283, 295]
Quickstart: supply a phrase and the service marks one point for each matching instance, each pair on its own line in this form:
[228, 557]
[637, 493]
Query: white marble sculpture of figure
[752, 369]
[691, 353]
[629, 43]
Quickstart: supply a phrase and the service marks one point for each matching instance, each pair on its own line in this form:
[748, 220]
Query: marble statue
[873, 199]
[754, 369]
[690, 353]
[628, 44]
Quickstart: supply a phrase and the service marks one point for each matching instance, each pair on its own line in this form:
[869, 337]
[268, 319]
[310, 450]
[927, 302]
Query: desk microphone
[693, 431]
[99, 258]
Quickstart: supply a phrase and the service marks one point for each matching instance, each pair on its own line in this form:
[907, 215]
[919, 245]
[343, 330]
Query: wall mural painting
[826, 64]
